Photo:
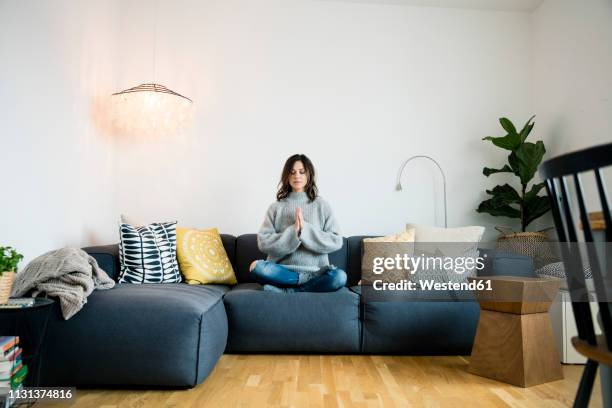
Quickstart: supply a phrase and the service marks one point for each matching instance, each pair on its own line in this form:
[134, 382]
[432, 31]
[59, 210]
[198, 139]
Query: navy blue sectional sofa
[172, 335]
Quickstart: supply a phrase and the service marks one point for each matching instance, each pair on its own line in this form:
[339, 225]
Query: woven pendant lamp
[151, 87]
[151, 109]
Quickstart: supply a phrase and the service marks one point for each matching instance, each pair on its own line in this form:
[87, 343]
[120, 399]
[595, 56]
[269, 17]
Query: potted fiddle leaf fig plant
[525, 202]
[9, 259]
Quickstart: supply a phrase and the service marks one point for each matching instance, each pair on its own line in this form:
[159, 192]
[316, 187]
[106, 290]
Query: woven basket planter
[6, 283]
[532, 244]
[524, 243]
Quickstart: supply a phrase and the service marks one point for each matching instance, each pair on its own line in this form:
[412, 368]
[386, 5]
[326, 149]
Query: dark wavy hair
[311, 186]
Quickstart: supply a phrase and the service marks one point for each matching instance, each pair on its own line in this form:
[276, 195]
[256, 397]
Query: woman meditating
[298, 232]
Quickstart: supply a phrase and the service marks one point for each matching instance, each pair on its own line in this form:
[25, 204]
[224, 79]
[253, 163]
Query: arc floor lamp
[398, 185]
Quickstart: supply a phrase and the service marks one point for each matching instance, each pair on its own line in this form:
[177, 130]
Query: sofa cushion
[263, 321]
[229, 243]
[454, 244]
[148, 254]
[107, 256]
[428, 233]
[498, 263]
[149, 334]
[247, 251]
[202, 257]
[354, 254]
[415, 323]
[379, 250]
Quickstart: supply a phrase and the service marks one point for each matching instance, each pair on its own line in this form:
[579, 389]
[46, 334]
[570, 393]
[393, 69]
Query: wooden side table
[514, 341]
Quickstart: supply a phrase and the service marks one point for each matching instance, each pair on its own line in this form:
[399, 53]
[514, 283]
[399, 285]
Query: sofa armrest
[107, 257]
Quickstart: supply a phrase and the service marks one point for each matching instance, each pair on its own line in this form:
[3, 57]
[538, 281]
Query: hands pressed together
[299, 220]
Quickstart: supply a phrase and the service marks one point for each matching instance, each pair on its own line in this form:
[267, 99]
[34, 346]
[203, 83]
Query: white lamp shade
[150, 110]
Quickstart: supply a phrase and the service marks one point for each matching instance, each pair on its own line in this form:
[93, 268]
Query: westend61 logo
[432, 284]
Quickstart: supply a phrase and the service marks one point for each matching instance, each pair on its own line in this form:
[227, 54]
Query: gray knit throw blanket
[68, 273]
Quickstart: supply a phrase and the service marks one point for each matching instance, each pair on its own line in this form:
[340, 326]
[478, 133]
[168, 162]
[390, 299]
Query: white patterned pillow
[557, 270]
[453, 245]
[148, 253]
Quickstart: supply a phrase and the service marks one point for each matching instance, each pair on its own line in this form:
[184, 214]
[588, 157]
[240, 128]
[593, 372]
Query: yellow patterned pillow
[202, 258]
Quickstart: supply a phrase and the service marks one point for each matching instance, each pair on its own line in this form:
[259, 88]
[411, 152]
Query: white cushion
[404, 236]
[460, 242]
[425, 233]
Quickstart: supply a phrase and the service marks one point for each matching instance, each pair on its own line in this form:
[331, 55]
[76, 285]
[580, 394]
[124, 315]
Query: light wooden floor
[344, 381]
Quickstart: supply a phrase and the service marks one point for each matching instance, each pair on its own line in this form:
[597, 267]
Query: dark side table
[30, 324]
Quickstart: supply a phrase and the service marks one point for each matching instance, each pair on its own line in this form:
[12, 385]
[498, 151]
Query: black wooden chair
[557, 172]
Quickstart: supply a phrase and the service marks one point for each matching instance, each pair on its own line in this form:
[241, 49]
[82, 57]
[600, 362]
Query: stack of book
[12, 369]
[17, 303]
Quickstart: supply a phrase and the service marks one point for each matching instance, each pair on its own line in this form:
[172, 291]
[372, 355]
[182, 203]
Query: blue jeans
[266, 272]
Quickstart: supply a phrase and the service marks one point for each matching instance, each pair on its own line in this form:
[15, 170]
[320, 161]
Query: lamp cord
[155, 39]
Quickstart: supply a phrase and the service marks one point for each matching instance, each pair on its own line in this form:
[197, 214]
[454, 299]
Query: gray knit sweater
[306, 253]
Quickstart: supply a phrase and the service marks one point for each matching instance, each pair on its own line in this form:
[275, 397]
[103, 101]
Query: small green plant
[523, 161]
[9, 258]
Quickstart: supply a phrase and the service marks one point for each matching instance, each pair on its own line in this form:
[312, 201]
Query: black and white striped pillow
[148, 253]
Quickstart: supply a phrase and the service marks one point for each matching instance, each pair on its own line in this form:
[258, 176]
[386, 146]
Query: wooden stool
[514, 341]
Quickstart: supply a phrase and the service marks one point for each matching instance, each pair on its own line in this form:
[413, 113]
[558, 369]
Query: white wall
[357, 86]
[572, 77]
[57, 185]
[573, 72]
